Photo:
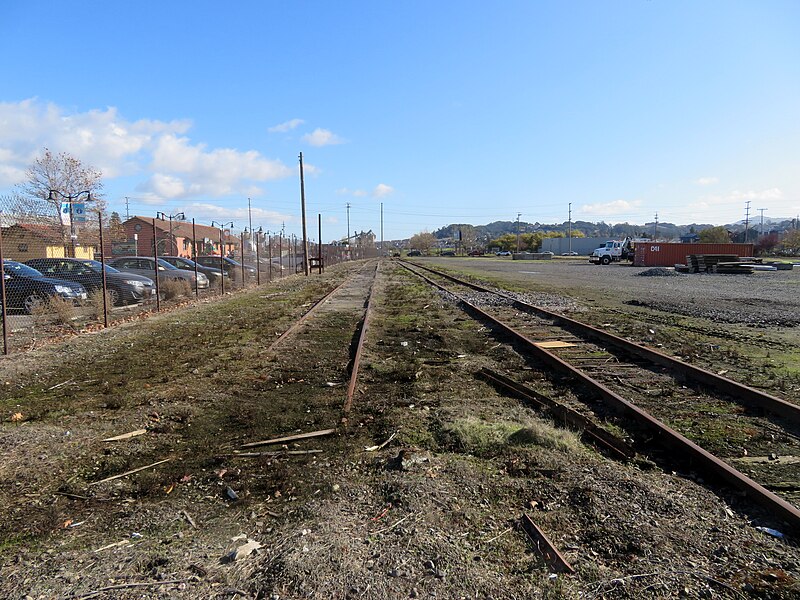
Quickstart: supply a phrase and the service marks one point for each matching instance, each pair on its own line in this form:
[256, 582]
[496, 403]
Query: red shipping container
[660, 254]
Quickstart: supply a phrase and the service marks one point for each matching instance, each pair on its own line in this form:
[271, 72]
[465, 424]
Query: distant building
[690, 238]
[24, 242]
[174, 241]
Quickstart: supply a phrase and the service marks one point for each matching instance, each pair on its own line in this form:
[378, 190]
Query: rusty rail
[662, 433]
[351, 388]
[297, 324]
[738, 392]
[545, 547]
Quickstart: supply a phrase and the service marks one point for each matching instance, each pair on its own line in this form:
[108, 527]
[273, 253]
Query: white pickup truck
[613, 251]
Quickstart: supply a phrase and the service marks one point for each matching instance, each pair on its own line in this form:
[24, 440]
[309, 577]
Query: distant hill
[619, 230]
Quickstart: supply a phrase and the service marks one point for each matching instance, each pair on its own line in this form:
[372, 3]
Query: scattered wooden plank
[114, 545]
[555, 344]
[291, 438]
[189, 519]
[126, 436]
[124, 586]
[131, 472]
[276, 453]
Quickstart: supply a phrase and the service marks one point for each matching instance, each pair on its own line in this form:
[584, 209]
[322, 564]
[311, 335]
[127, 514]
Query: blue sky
[444, 111]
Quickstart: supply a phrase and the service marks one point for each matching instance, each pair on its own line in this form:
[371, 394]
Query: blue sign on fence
[79, 213]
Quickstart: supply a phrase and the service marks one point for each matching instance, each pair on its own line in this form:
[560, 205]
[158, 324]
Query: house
[24, 242]
[690, 238]
[172, 238]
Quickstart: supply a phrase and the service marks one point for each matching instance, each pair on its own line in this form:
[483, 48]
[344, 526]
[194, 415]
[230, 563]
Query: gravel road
[763, 299]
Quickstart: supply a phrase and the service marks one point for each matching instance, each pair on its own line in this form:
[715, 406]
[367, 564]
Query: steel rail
[664, 434]
[739, 392]
[362, 335]
[297, 324]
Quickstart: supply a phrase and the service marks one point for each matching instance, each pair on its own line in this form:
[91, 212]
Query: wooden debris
[131, 472]
[290, 438]
[276, 453]
[58, 385]
[126, 436]
[381, 446]
[189, 519]
[555, 344]
[123, 586]
[114, 545]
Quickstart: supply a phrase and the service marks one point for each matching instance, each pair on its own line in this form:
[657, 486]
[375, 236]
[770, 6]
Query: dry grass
[174, 288]
[55, 310]
[95, 303]
[484, 438]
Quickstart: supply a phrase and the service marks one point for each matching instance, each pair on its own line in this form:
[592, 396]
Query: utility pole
[382, 228]
[761, 210]
[127, 209]
[655, 228]
[303, 209]
[746, 219]
[518, 216]
[348, 225]
[570, 228]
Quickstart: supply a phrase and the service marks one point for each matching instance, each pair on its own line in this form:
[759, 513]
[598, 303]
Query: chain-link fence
[77, 272]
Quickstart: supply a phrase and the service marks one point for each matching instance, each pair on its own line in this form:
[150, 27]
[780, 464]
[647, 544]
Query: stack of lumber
[705, 263]
[733, 268]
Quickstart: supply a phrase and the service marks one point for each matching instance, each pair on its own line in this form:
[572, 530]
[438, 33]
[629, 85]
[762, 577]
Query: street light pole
[71, 198]
[161, 216]
[221, 255]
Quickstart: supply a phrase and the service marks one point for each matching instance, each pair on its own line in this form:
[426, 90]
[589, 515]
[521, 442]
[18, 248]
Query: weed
[95, 304]
[483, 438]
[174, 288]
[55, 309]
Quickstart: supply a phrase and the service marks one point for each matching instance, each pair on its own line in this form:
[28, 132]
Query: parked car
[27, 288]
[123, 288]
[213, 274]
[504, 253]
[573, 253]
[448, 253]
[475, 253]
[414, 253]
[146, 266]
[232, 267]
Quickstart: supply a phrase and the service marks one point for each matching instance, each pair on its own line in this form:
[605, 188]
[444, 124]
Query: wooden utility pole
[303, 207]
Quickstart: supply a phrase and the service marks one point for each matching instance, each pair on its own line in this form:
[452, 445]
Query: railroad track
[708, 419]
[356, 290]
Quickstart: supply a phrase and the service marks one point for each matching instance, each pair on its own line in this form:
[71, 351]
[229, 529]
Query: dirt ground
[432, 513]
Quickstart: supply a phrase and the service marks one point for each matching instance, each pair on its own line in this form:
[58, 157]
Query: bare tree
[64, 173]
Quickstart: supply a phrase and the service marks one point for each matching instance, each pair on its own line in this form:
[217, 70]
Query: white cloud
[738, 197]
[613, 208]
[707, 180]
[172, 165]
[322, 137]
[287, 126]
[382, 190]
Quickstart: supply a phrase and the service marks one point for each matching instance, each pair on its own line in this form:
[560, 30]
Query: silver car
[145, 265]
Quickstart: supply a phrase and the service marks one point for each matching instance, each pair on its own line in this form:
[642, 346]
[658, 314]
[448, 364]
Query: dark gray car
[123, 288]
[146, 266]
[213, 274]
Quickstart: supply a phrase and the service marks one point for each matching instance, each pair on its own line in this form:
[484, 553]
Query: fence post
[3, 294]
[243, 280]
[103, 268]
[258, 262]
[194, 260]
[221, 266]
[155, 260]
[269, 256]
